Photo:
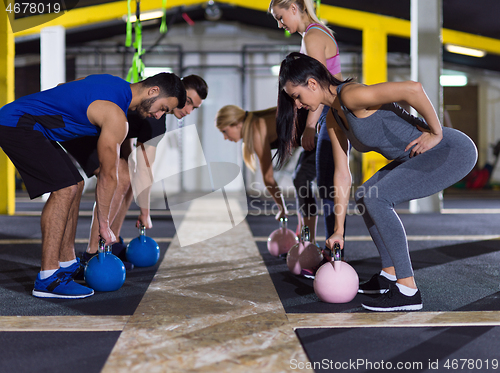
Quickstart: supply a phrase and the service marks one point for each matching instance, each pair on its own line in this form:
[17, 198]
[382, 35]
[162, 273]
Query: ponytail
[286, 113]
[297, 69]
[247, 137]
[289, 137]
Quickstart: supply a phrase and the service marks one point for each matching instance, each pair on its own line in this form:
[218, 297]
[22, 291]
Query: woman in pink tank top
[317, 42]
[332, 63]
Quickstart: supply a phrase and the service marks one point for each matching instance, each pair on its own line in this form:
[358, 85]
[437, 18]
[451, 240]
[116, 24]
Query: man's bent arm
[114, 128]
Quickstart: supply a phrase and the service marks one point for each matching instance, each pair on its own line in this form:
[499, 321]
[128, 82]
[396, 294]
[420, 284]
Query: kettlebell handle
[305, 235]
[337, 254]
[283, 222]
[102, 245]
[142, 230]
[102, 249]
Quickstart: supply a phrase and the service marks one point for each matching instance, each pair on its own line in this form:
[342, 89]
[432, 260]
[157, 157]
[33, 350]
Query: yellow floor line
[26, 241]
[395, 319]
[62, 323]
[89, 213]
[34, 241]
[449, 211]
[413, 238]
[470, 211]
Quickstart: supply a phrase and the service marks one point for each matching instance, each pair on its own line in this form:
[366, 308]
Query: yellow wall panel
[7, 170]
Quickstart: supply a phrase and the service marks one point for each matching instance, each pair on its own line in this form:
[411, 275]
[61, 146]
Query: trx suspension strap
[163, 26]
[135, 73]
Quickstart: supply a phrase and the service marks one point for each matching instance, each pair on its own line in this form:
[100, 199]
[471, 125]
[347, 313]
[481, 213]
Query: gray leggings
[399, 181]
[303, 177]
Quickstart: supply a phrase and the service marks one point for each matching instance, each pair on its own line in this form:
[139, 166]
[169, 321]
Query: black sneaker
[85, 257]
[394, 300]
[311, 272]
[378, 284]
[73, 270]
[120, 249]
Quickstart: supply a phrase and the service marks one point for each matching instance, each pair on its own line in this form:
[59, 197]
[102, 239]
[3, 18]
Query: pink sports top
[333, 63]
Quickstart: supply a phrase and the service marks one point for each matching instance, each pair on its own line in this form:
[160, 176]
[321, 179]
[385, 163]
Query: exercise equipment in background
[303, 254]
[281, 240]
[143, 251]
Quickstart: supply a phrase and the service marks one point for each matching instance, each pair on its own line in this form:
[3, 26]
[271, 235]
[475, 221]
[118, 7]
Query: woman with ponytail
[426, 159]
[317, 42]
[257, 129]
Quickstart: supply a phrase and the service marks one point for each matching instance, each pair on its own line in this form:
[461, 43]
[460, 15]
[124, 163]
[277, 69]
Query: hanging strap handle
[163, 26]
[128, 38]
[318, 5]
[136, 71]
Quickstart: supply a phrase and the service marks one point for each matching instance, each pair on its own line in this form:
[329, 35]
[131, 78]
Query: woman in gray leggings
[426, 158]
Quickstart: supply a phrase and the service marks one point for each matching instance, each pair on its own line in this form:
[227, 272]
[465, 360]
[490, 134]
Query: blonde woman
[257, 129]
[317, 42]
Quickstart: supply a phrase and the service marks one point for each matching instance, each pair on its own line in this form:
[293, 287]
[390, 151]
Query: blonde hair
[231, 115]
[306, 6]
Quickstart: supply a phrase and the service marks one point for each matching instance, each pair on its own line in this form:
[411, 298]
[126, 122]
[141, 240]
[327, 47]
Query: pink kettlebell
[304, 254]
[281, 240]
[336, 281]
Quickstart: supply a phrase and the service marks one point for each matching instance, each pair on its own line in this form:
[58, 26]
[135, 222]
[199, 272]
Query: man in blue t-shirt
[30, 128]
[84, 150]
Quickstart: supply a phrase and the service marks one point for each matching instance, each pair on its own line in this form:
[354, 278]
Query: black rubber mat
[452, 275]
[55, 352]
[20, 264]
[401, 349]
[16, 284]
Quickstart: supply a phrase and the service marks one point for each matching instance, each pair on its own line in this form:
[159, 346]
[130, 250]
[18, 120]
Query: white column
[426, 61]
[52, 57]
[52, 61]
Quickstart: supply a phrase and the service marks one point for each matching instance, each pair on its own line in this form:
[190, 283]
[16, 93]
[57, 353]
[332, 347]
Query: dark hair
[170, 86]
[296, 68]
[197, 83]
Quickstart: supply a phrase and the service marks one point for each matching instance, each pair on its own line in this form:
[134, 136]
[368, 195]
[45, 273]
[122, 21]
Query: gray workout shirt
[387, 131]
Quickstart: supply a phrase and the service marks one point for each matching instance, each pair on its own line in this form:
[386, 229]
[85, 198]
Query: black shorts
[43, 164]
[84, 150]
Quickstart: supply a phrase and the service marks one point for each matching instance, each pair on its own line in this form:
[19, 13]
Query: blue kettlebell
[143, 251]
[104, 271]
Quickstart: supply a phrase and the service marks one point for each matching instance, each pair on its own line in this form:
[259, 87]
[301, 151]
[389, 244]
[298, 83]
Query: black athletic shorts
[42, 163]
[84, 150]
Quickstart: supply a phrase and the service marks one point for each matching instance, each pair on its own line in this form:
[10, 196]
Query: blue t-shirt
[60, 113]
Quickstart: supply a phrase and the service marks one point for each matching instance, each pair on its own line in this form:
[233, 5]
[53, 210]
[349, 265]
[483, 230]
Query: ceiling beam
[343, 17]
[86, 16]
